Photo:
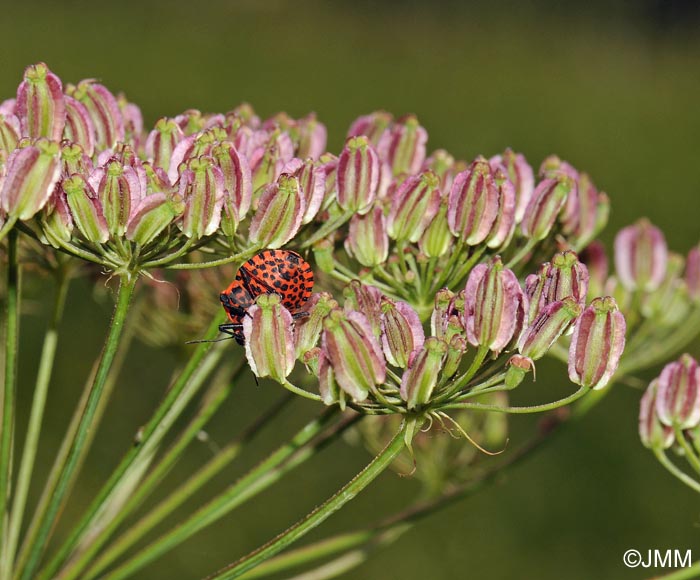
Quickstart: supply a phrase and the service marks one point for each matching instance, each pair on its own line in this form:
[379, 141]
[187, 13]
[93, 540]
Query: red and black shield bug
[281, 272]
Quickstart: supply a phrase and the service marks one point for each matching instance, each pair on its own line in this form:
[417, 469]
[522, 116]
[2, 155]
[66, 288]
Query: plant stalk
[46, 362]
[50, 516]
[10, 381]
[185, 491]
[217, 394]
[196, 371]
[318, 515]
[283, 460]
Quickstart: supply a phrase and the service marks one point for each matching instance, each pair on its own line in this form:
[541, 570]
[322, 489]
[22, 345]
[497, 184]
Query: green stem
[55, 472]
[524, 251]
[496, 388]
[184, 492]
[240, 257]
[690, 454]
[690, 573]
[352, 558]
[126, 289]
[391, 283]
[318, 550]
[170, 257]
[318, 515]
[342, 564]
[301, 392]
[261, 477]
[462, 381]
[200, 365]
[389, 529]
[328, 228]
[48, 355]
[10, 378]
[467, 266]
[417, 278]
[402, 261]
[521, 410]
[7, 228]
[482, 385]
[217, 394]
[446, 273]
[73, 250]
[662, 347]
[671, 467]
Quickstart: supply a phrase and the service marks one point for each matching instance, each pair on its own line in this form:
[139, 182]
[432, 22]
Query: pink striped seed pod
[367, 239]
[678, 393]
[269, 340]
[357, 175]
[354, 353]
[597, 344]
[520, 174]
[414, 205]
[402, 332]
[279, 214]
[30, 175]
[202, 190]
[40, 104]
[473, 203]
[547, 201]
[641, 256]
[103, 108]
[402, 146]
[421, 377]
[653, 433]
[494, 306]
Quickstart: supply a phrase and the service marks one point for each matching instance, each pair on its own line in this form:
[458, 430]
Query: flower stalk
[360, 543]
[46, 362]
[225, 456]
[10, 378]
[285, 458]
[96, 538]
[320, 514]
[48, 518]
[196, 371]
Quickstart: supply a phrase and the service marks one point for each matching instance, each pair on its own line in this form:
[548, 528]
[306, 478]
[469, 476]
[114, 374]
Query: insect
[280, 272]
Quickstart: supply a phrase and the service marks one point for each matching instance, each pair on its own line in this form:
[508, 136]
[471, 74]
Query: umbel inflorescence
[457, 276]
[439, 282]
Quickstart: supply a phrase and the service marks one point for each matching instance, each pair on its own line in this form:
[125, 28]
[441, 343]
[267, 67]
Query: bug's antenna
[211, 340]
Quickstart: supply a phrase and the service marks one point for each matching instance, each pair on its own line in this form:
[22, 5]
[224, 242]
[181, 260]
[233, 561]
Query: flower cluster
[669, 416]
[670, 407]
[78, 172]
[375, 355]
[658, 292]
[414, 238]
[417, 223]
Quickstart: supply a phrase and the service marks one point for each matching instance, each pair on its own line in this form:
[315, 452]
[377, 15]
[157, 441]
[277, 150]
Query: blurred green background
[613, 87]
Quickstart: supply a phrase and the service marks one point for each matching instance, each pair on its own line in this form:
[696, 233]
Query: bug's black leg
[230, 328]
[234, 331]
